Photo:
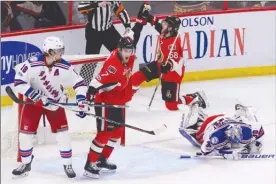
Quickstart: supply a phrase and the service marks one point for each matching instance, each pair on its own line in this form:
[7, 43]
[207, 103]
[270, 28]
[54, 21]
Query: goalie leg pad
[190, 138]
[151, 71]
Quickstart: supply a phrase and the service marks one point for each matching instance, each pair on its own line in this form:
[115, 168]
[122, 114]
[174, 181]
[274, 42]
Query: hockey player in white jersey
[221, 134]
[41, 79]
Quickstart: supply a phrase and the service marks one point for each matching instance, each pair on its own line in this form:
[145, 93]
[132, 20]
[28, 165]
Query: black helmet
[173, 22]
[125, 42]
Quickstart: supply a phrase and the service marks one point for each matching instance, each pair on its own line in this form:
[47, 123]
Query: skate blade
[20, 176]
[106, 171]
[91, 175]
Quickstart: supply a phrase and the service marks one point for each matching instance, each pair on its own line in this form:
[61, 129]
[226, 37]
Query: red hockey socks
[115, 136]
[109, 147]
[188, 99]
[97, 146]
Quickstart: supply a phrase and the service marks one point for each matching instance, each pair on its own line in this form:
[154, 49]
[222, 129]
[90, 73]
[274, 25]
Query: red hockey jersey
[114, 70]
[165, 47]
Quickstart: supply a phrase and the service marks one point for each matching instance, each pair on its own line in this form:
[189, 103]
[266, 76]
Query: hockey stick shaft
[152, 132]
[153, 95]
[18, 101]
[241, 156]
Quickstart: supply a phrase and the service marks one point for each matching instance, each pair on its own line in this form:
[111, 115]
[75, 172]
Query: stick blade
[14, 97]
[160, 129]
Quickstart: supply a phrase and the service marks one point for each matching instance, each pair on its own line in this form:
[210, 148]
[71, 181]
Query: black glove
[91, 93]
[143, 14]
[165, 68]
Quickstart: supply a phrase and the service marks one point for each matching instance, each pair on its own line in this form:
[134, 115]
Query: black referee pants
[95, 39]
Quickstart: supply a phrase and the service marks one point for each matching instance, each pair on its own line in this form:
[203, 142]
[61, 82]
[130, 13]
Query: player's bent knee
[117, 133]
[150, 71]
[172, 106]
[63, 138]
[102, 137]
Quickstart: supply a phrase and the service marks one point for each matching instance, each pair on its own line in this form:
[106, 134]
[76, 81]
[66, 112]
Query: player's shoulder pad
[37, 60]
[63, 64]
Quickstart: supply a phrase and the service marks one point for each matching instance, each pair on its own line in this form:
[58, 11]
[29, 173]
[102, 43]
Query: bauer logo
[245, 156]
[13, 53]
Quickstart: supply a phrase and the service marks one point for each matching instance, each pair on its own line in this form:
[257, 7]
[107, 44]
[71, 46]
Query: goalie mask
[234, 133]
[125, 47]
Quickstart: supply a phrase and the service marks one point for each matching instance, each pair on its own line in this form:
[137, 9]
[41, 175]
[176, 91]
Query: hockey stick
[159, 82]
[241, 156]
[18, 101]
[152, 132]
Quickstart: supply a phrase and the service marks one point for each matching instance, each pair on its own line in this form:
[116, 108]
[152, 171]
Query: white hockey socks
[26, 147]
[65, 147]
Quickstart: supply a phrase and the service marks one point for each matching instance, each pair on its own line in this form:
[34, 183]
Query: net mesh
[88, 66]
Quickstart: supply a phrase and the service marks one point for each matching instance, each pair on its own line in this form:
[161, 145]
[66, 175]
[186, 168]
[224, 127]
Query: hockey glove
[35, 95]
[83, 107]
[143, 14]
[165, 68]
[91, 93]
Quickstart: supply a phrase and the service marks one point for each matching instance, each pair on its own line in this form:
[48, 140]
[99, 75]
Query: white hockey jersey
[215, 140]
[34, 74]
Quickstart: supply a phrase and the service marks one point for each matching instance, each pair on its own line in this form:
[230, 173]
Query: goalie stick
[241, 156]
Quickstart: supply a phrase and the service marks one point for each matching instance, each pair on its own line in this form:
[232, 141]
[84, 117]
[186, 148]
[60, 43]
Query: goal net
[88, 66]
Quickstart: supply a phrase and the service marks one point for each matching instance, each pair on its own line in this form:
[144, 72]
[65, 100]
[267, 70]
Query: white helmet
[53, 43]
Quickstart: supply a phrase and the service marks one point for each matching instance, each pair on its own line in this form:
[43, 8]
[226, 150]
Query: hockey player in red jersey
[169, 64]
[116, 83]
[116, 70]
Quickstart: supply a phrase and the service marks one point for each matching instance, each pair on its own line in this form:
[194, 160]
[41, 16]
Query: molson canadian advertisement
[221, 40]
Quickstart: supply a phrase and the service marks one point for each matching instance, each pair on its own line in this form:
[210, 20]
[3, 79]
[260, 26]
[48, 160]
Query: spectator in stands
[8, 17]
[45, 13]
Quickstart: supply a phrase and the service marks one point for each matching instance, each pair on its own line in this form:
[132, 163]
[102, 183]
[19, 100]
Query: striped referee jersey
[99, 18]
